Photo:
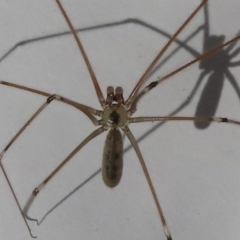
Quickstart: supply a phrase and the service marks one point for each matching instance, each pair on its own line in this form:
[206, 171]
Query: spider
[116, 114]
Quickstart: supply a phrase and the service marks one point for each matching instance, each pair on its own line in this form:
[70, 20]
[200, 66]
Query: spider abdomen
[112, 162]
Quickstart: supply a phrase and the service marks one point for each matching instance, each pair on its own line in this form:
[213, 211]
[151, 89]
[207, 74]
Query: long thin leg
[161, 79]
[197, 59]
[199, 119]
[133, 107]
[184, 103]
[146, 74]
[181, 45]
[39, 188]
[85, 109]
[90, 69]
[48, 101]
[144, 167]
[15, 197]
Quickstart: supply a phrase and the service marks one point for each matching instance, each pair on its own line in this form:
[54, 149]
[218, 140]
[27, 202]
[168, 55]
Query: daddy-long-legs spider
[140, 201]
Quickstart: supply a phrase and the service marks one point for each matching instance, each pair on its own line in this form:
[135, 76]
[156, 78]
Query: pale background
[195, 172]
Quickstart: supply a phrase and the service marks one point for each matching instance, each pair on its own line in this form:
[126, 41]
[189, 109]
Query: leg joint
[35, 192]
[53, 97]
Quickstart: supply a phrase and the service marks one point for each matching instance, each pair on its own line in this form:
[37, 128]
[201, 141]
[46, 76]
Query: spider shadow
[216, 67]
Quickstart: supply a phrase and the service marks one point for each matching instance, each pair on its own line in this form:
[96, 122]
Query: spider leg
[55, 171]
[144, 167]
